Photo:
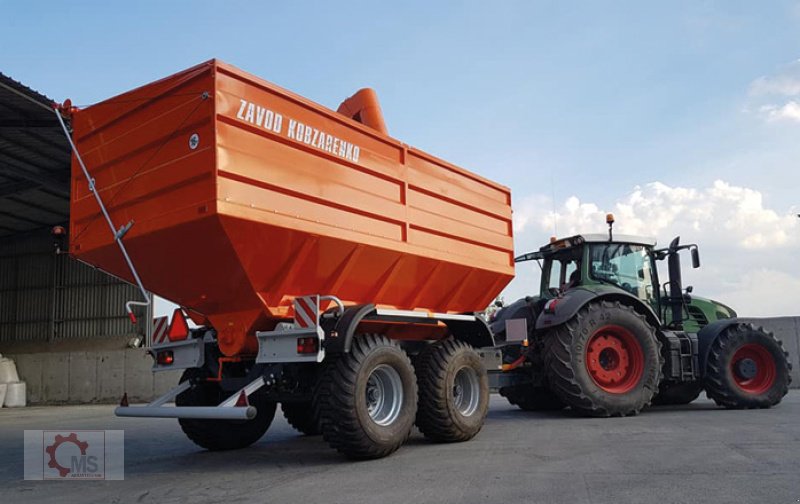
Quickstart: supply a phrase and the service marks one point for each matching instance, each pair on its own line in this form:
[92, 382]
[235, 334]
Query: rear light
[178, 328]
[307, 345]
[165, 358]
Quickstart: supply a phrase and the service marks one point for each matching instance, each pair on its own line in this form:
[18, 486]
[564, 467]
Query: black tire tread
[557, 351]
[434, 418]
[716, 388]
[337, 401]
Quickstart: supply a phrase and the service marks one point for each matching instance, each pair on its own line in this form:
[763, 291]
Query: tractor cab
[602, 264]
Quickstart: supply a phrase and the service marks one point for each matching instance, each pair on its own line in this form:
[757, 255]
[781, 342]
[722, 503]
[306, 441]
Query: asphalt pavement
[694, 453]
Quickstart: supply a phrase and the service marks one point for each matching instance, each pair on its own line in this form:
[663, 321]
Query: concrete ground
[695, 453]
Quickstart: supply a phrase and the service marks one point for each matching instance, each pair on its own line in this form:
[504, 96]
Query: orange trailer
[294, 235]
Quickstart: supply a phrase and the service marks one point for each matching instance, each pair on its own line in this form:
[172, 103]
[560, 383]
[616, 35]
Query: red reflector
[307, 345]
[165, 358]
[178, 328]
[550, 306]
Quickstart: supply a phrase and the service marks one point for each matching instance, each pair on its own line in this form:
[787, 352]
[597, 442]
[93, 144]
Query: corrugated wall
[44, 297]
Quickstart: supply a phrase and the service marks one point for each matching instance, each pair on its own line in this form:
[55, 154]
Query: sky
[682, 118]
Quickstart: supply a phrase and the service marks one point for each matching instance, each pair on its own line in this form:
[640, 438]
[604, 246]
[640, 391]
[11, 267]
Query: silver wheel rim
[466, 391]
[384, 395]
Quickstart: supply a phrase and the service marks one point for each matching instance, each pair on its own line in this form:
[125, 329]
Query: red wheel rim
[753, 368]
[614, 359]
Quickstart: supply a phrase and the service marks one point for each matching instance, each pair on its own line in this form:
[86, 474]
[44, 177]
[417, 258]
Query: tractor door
[629, 267]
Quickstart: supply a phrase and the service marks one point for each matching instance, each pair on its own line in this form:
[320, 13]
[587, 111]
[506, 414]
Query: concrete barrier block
[55, 377]
[138, 378]
[29, 367]
[82, 377]
[110, 375]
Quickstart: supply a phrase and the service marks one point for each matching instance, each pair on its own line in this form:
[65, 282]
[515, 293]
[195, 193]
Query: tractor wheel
[530, 398]
[216, 435]
[369, 402]
[679, 393]
[453, 391]
[747, 368]
[301, 416]
[605, 361]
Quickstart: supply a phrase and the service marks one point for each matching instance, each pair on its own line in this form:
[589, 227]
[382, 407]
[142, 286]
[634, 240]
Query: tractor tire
[302, 417]
[368, 400]
[453, 391]
[747, 367]
[605, 361]
[217, 435]
[679, 393]
[530, 398]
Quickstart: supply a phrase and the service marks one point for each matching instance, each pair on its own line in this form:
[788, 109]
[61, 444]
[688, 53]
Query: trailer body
[243, 196]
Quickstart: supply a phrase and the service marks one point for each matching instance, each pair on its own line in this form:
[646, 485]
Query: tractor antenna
[555, 215]
[610, 222]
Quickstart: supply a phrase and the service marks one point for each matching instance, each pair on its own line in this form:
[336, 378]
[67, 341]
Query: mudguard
[521, 308]
[568, 304]
[707, 336]
[345, 328]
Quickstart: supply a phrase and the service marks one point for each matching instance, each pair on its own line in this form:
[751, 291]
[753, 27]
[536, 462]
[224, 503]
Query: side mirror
[695, 258]
[689, 289]
[498, 303]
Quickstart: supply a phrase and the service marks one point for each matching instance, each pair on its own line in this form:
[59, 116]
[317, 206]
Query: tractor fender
[574, 299]
[519, 309]
[707, 336]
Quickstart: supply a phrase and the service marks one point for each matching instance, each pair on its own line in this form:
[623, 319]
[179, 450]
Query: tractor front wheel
[605, 361]
[747, 368]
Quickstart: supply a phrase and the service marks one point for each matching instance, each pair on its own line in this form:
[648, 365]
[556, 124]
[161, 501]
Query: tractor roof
[577, 240]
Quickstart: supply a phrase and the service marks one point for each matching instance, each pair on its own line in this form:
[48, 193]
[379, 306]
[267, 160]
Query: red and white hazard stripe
[306, 311]
[160, 326]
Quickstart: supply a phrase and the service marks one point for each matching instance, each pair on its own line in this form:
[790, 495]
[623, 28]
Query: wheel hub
[384, 395]
[753, 368]
[614, 359]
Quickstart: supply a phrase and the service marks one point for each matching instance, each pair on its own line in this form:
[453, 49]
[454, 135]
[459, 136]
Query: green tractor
[606, 338]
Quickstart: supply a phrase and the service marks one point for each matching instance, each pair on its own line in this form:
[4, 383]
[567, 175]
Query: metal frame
[226, 410]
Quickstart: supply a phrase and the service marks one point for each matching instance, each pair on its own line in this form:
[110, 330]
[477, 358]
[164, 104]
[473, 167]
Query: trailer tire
[453, 391]
[218, 435]
[301, 416]
[679, 393]
[369, 401]
[747, 367]
[605, 361]
[530, 398]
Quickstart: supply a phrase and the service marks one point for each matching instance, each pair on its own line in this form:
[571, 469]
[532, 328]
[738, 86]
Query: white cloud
[790, 111]
[773, 95]
[748, 249]
[722, 211]
[786, 82]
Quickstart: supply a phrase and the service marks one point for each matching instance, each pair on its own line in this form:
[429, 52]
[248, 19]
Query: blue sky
[572, 105]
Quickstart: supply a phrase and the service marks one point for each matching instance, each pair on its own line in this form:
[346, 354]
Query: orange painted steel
[245, 195]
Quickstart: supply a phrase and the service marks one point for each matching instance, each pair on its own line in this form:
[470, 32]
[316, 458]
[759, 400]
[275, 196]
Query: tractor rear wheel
[368, 401]
[679, 393]
[217, 435]
[530, 398]
[747, 368]
[605, 361]
[453, 391]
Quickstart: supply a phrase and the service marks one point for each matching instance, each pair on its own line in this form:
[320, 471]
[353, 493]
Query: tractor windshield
[626, 266]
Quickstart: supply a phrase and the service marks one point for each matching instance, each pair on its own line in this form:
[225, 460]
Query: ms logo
[68, 455]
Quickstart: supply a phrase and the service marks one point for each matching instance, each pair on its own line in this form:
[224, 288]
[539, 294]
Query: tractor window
[562, 271]
[626, 266]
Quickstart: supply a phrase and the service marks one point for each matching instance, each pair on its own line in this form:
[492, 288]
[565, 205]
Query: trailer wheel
[747, 368]
[216, 435]
[679, 393]
[530, 398]
[302, 417]
[369, 402]
[453, 391]
[605, 361]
